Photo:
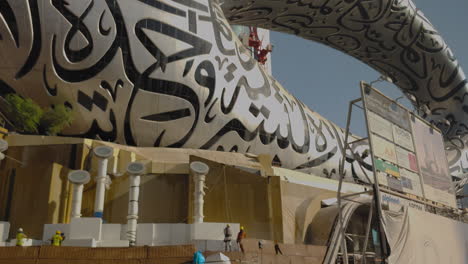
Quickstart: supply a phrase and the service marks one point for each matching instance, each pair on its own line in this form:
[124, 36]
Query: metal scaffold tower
[375, 208]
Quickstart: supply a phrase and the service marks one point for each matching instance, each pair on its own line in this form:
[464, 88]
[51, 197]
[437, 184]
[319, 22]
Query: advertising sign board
[386, 167]
[386, 108]
[384, 149]
[408, 153]
[403, 138]
[433, 165]
[395, 203]
[406, 159]
[410, 182]
[380, 126]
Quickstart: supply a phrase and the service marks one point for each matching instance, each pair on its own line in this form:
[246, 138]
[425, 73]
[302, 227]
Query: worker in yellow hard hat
[20, 237]
[240, 236]
[57, 239]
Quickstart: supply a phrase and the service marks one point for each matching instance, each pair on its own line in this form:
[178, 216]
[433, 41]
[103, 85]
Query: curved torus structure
[392, 36]
[172, 73]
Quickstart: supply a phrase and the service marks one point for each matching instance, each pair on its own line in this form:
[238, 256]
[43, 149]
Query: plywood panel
[237, 196]
[50, 252]
[19, 252]
[161, 200]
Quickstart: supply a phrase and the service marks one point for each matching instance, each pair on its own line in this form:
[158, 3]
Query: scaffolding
[375, 204]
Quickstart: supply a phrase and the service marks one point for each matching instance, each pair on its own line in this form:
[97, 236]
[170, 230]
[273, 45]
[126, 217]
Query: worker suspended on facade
[259, 53]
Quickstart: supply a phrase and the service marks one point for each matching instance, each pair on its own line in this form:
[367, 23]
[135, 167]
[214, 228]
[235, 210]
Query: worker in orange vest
[240, 236]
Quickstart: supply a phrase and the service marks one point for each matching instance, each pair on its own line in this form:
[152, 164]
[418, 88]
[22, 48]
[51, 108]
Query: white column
[103, 153]
[199, 170]
[3, 148]
[77, 198]
[135, 170]
[78, 179]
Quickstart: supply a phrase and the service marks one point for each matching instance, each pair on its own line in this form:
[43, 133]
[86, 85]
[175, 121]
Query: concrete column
[3, 148]
[103, 153]
[199, 171]
[78, 179]
[135, 170]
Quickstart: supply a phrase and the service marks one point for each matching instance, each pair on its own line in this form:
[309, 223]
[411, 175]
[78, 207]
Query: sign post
[408, 153]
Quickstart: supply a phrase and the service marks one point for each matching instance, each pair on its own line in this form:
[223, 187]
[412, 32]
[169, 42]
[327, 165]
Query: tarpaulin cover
[218, 258]
[418, 237]
[198, 258]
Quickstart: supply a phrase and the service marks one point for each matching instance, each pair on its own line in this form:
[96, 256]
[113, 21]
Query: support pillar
[3, 148]
[103, 153]
[135, 170]
[199, 170]
[78, 179]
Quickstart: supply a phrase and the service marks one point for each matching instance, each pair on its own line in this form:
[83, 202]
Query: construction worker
[260, 244]
[277, 248]
[262, 54]
[240, 236]
[57, 239]
[20, 237]
[227, 238]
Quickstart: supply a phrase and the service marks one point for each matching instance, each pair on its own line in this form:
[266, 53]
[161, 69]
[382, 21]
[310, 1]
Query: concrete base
[87, 232]
[90, 232]
[50, 229]
[182, 234]
[212, 231]
[113, 243]
[27, 242]
[163, 234]
[90, 242]
[112, 232]
[214, 245]
[86, 228]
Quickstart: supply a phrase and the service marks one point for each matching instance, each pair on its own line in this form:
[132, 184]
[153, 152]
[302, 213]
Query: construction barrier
[300, 254]
[79, 255]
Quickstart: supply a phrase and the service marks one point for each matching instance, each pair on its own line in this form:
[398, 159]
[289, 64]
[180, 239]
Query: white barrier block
[28, 242]
[162, 234]
[180, 234]
[145, 235]
[50, 229]
[113, 243]
[123, 232]
[4, 231]
[111, 232]
[215, 245]
[90, 242]
[212, 231]
[86, 228]
[200, 245]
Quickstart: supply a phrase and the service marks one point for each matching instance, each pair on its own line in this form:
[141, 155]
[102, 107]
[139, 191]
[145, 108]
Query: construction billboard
[433, 164]
[408, 153]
